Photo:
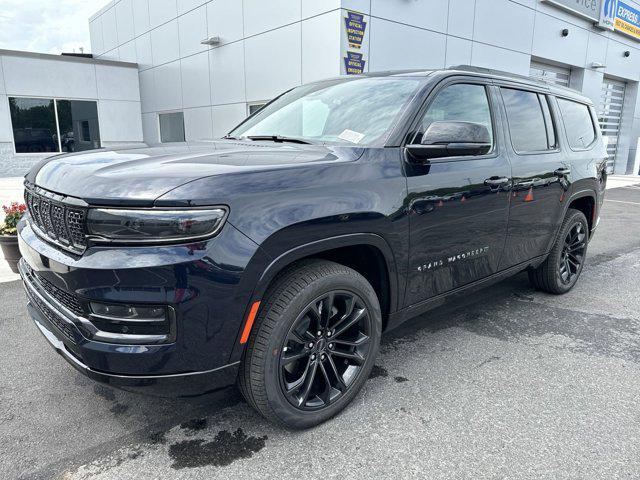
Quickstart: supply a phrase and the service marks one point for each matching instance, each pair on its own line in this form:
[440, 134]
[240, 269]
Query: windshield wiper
[279, 139]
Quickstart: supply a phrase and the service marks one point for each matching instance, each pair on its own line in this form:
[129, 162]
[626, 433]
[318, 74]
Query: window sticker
[351, 136]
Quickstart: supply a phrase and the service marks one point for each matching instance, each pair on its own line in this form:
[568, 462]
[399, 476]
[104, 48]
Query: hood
[140, 175]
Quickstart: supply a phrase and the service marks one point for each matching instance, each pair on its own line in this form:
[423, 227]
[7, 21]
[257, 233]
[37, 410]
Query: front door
[540, 175]
[458, 206]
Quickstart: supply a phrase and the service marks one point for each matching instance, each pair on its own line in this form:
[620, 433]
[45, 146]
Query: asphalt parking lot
[508, 383]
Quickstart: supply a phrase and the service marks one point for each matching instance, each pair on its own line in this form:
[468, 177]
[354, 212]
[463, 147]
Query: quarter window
[459, 103]
[530, 123]
[578, 123]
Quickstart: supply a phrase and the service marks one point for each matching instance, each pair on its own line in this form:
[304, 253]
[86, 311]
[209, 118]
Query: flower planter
[10, 250]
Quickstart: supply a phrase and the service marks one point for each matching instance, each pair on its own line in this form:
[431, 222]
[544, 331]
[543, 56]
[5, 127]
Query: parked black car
[278, 255]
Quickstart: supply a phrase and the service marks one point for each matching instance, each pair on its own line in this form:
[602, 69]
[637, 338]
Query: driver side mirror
[451, 139]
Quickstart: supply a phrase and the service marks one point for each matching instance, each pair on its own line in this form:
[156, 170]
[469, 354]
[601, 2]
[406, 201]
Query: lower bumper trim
[175, 385]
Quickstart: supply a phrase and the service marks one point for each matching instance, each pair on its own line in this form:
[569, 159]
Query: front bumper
[61, 334]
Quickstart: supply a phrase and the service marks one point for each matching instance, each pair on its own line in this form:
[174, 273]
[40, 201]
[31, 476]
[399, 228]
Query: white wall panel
[141, 22]
[225, 20]
[192, 29]
[168, 87]
[227, 74]
[427, 48]
[161, 11]
[2, 88]
[461, 18]
[362, 6]
[43, 78]
[127, 52]
[195, 80]
[120, 121]
[597, 49]
[311, 8]
[165, 44]
[488, 56]
[431, 14]
[321, 46]
[188, 5]
[618, 64]
[226, 117]
[263, 15]
[198, 124]
[6, 134]
[124, 18]
[143, 51]
[150, 128]
[147, 91]
[95, 36]
[458, 52]
[504, 23]
[272, 62]
[117, 83]
[548, 42]
[109, 30]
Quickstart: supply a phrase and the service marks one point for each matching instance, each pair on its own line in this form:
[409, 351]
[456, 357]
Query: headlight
[153, 226]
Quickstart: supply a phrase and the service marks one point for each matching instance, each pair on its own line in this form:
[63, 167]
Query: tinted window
[526, 120]
[578, 123]
[171, 127]
[34, 125]
[459, 103]
[79, 128]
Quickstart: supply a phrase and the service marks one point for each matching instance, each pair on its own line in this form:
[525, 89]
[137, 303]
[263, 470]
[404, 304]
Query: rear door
[540, 173]
[459, 205]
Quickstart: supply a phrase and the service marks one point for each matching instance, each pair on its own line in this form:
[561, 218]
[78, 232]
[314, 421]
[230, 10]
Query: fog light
[129, 313]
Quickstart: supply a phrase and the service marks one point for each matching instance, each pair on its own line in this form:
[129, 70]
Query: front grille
[63, 297]
[57, 221]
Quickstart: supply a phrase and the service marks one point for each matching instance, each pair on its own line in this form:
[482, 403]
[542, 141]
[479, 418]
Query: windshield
[352, 112]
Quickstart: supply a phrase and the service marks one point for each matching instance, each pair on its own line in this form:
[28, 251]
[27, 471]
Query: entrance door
[459, 206]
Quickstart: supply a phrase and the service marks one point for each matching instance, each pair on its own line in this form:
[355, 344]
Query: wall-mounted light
[565, 32]
[598, 65]
[626, 54]
[211, 41]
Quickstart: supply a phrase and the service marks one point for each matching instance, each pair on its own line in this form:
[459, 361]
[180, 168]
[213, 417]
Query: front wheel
[560, 271]
[313, 344]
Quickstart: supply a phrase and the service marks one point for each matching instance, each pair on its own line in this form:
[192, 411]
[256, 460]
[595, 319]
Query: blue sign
[354, 63]
[628, 20]
[356, 28]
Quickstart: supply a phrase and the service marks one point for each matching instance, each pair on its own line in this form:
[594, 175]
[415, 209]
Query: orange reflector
[249, 322]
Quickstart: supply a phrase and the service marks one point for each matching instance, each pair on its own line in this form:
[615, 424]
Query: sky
[46, 26]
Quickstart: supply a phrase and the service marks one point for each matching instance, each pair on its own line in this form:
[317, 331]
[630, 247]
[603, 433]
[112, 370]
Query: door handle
[496, 182]
[563, 172]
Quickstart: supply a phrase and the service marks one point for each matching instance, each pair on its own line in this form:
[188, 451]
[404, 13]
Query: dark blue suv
[276, 256]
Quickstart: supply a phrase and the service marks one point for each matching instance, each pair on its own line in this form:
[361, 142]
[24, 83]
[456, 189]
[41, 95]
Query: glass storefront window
[34, 125]
[78, 125]
[171, 127]
[38, 128]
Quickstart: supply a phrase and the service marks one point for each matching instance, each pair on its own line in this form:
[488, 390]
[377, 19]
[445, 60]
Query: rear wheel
[560, 271]
[313, 344]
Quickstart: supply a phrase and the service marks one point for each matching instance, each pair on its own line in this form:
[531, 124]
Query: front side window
[42, 125]
[352, 112]
[459, 103]
[171, 127]
[578, 123]
[527, 123]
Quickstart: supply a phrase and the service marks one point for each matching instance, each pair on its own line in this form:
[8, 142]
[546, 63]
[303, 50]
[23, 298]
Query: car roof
[487, 73]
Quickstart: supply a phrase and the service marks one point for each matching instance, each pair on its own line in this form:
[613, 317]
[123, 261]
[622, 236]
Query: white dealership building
[203, 66]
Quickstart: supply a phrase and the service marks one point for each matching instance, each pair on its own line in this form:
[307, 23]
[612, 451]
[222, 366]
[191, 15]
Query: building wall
[114, 86]
[270, 45]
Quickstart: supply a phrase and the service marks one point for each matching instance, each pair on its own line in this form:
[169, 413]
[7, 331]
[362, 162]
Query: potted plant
[9, 234]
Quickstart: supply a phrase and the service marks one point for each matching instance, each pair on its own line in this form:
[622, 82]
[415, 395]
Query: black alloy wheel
[572, 258]
[325, 350]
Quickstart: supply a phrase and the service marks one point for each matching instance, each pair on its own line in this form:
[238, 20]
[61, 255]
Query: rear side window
[578, 123]
[530, 121]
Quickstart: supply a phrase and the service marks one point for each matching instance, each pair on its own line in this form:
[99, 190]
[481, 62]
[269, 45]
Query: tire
[290, 310]
[567, 255]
